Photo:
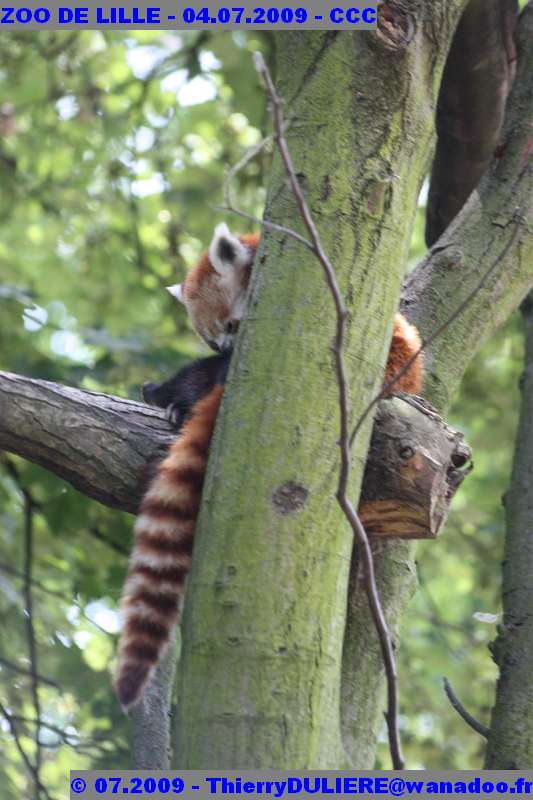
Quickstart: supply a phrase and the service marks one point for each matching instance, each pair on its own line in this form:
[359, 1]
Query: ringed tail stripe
[153, 603]
[158, 543]
[161, 555]
[173, 574]
[155, 509]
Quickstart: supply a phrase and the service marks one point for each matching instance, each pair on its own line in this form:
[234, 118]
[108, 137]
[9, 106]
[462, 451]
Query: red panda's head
[215, 290]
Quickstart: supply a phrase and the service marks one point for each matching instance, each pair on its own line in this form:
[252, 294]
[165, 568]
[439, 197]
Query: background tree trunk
[510, 744]
[475, 240]
[152, 744]
[476, 82]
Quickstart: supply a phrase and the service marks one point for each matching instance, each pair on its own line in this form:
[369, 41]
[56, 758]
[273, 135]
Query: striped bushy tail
[161, 556]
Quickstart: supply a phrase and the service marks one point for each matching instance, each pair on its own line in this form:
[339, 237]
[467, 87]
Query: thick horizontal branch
[101, 444]
[106, 446]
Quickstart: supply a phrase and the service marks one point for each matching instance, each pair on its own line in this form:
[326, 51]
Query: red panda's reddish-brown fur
[208, 297]
[161, 555]
[404, 344]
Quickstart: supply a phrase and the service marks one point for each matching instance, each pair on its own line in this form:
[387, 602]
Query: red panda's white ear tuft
[176, 291]
[227, 252]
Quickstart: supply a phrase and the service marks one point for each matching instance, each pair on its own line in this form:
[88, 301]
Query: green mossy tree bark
[260, 678]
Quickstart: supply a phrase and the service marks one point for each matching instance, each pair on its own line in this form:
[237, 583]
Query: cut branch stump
[416, 463]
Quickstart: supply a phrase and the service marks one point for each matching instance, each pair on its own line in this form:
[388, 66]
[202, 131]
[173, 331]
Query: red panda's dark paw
[147, 392]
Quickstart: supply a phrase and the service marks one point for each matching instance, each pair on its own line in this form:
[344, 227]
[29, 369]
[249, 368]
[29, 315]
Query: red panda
[215, 294]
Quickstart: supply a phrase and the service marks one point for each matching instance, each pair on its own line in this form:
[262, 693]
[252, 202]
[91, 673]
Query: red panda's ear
[176, 291]
[227, 252]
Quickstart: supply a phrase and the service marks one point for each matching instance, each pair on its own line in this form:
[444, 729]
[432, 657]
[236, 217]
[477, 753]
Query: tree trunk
[259, 683]
[510, 744]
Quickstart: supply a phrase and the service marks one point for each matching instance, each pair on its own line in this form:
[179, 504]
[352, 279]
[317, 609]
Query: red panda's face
[215, 291]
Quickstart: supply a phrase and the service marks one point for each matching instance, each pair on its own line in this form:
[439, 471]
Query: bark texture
[510, 744]
[102, 445]
[414, 467]
[259, 682]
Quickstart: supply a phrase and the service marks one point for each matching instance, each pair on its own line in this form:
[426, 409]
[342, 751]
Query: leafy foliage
[112, 160]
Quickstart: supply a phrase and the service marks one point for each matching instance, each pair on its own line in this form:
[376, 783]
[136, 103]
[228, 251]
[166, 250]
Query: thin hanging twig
[4, 662]
[24, 756]
[475, 724]
[250, 154]
[30, 634]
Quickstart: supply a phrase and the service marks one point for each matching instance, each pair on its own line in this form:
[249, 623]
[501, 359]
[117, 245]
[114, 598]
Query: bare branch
[477, 726]
[27, 577]
[230, 207]
[9, 570]
[265, 223]
[75, 740]
[387, 646]
[30, 631]
[4, 662]
[249, 155]
[96, 533]
[93, 530]
[15, 573]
